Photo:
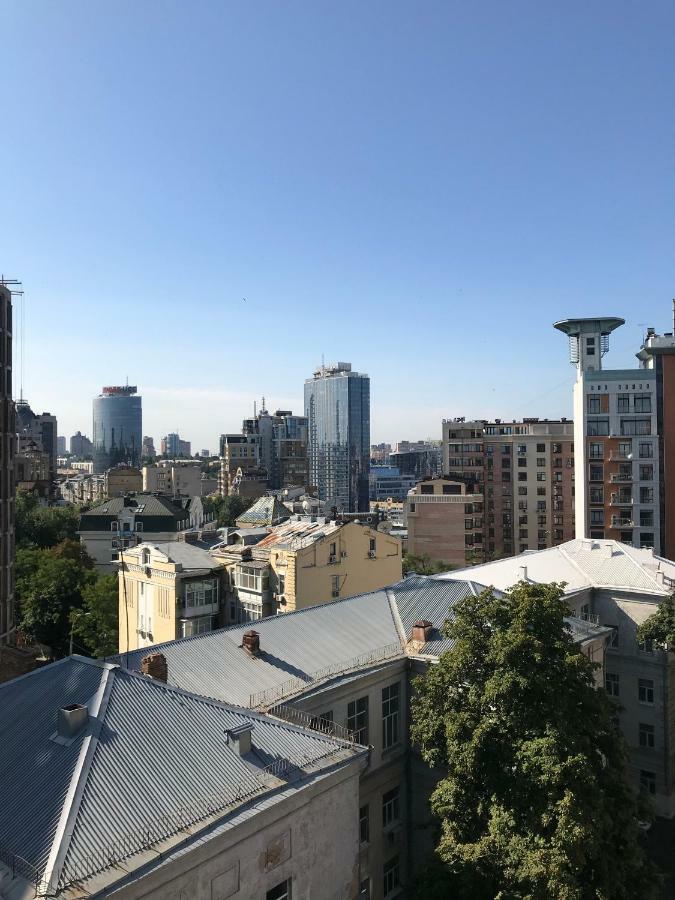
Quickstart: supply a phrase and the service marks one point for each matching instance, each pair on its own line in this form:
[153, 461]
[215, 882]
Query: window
[364, 889]
[522, 533]
[590, 346]
[357, 719]
[636, 426]
[364, 824]
[522, 462]
[541, 448]
[623, 403]
[647, 539]
[332, 549]
[596, 472]
[646, 518]
[522, 492]
[335, 585]
[646, 495]
[280, 892]
[642, 403]
[541, 461]
[612, 684]
[541, 476]
[372, 546]
[614, 639]
[646, 646]
[646, 473]
[391, 808]
[625, 448]
[646, 691]
[597, 495]
[648, 782]
[427, 489]
[322, 722]
[390, 715]
[522, 448]
[594, 404]
[646, 735]
[597, 427]
[114, 526]
[522, 476]
[646, 451]
[596, 451]
[391, 877]
[597, 517]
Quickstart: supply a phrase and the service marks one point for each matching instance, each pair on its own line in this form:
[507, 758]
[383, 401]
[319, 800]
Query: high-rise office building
[118, 431]
[61, 448]
[7, 442]
[337, 406]
[624, 423]
[148, 447]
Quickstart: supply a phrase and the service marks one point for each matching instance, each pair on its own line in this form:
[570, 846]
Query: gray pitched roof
[265, 511]
[69, 809]
[183, 552]
[151, 506]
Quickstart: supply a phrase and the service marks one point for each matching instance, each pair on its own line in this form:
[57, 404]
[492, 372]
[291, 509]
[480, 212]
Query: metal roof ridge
[396, 616]
[568, 557]
[71, 805]
[661, 587]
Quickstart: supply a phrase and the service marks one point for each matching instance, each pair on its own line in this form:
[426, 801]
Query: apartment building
[123, 479]
[283, 446]
[240, 456]
[445, 520]
[306, 561]
[7, 489]
[173, 477]
[525, 472]
[625, 467]
[123, 522]
[168, 795]
[175, 589]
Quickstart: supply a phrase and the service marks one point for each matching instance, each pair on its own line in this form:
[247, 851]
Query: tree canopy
[42, 526]
[659, 628]
[228, 509]
[423, 565]
[95, 623]
[535, 801]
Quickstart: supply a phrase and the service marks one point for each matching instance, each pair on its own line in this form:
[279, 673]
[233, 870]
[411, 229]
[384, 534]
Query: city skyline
[420, 192]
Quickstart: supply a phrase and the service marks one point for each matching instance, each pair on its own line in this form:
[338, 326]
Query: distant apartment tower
[337, 405]
[239, 462]
[441, 513]
[148, 448]
[117, 427]
[379, 454]
[283, 446]
[7, 443]
[61, 445]
[39, 429]
[81, 446]
[625, 437]
[525, 473]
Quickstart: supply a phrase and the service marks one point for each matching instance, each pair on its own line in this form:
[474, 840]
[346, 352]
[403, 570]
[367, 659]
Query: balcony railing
[617, 456]
[620, 500]
[619, 477]
[622, 523]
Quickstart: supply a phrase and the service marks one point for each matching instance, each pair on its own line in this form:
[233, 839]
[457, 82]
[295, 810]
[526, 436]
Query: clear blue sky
[420, 188]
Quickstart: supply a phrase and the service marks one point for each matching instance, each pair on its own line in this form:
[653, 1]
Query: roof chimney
[240, 736]
[522, 573]
[250, 641]
[421, 631]
[70, 720]
[155, 666]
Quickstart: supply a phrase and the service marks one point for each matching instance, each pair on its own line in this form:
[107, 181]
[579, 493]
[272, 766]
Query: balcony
[618, 522]
[621, 477]
[620, 500]
[617, 456]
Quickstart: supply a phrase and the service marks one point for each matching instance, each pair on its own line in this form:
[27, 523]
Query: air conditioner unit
[371, 554]
[332, 558]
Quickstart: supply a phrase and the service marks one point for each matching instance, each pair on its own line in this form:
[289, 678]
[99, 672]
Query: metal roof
[580, 564]
[151, 762]
[265, 511]
[182, 552]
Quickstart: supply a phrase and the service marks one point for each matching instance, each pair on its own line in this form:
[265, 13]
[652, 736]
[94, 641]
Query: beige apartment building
[445, 520]
[168, 590]
[173, 477]
[123, 479]
[304, 562]
[525, 473]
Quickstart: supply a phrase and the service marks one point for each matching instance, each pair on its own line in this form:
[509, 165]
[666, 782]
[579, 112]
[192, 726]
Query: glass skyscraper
[118, 431]
[337, 405]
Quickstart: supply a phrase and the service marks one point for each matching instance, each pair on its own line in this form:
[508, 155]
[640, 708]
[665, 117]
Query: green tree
[42, 526]
[660, 626]
[47, 588]
[534, 802]
[227, 509]
[95, 623]
[423, 565]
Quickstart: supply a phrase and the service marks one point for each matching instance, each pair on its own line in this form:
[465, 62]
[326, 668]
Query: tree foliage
[423, 565]
[660, 626]
[534, 802]
[95, 623]
[42, 526]
[227, 509]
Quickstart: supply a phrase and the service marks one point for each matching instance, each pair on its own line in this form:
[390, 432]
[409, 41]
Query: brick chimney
[421, 631]
[250, 641]
[155, 666]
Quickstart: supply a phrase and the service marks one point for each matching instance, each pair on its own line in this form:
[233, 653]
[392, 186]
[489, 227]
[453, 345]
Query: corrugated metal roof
[183, 552]
[294, 645]
[578, 563]
[159, 760]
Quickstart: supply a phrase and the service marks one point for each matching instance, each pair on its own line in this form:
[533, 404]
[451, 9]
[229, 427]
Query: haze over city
[203, 195]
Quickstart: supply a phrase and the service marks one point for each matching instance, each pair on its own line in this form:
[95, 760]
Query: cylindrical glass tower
[118, 427]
